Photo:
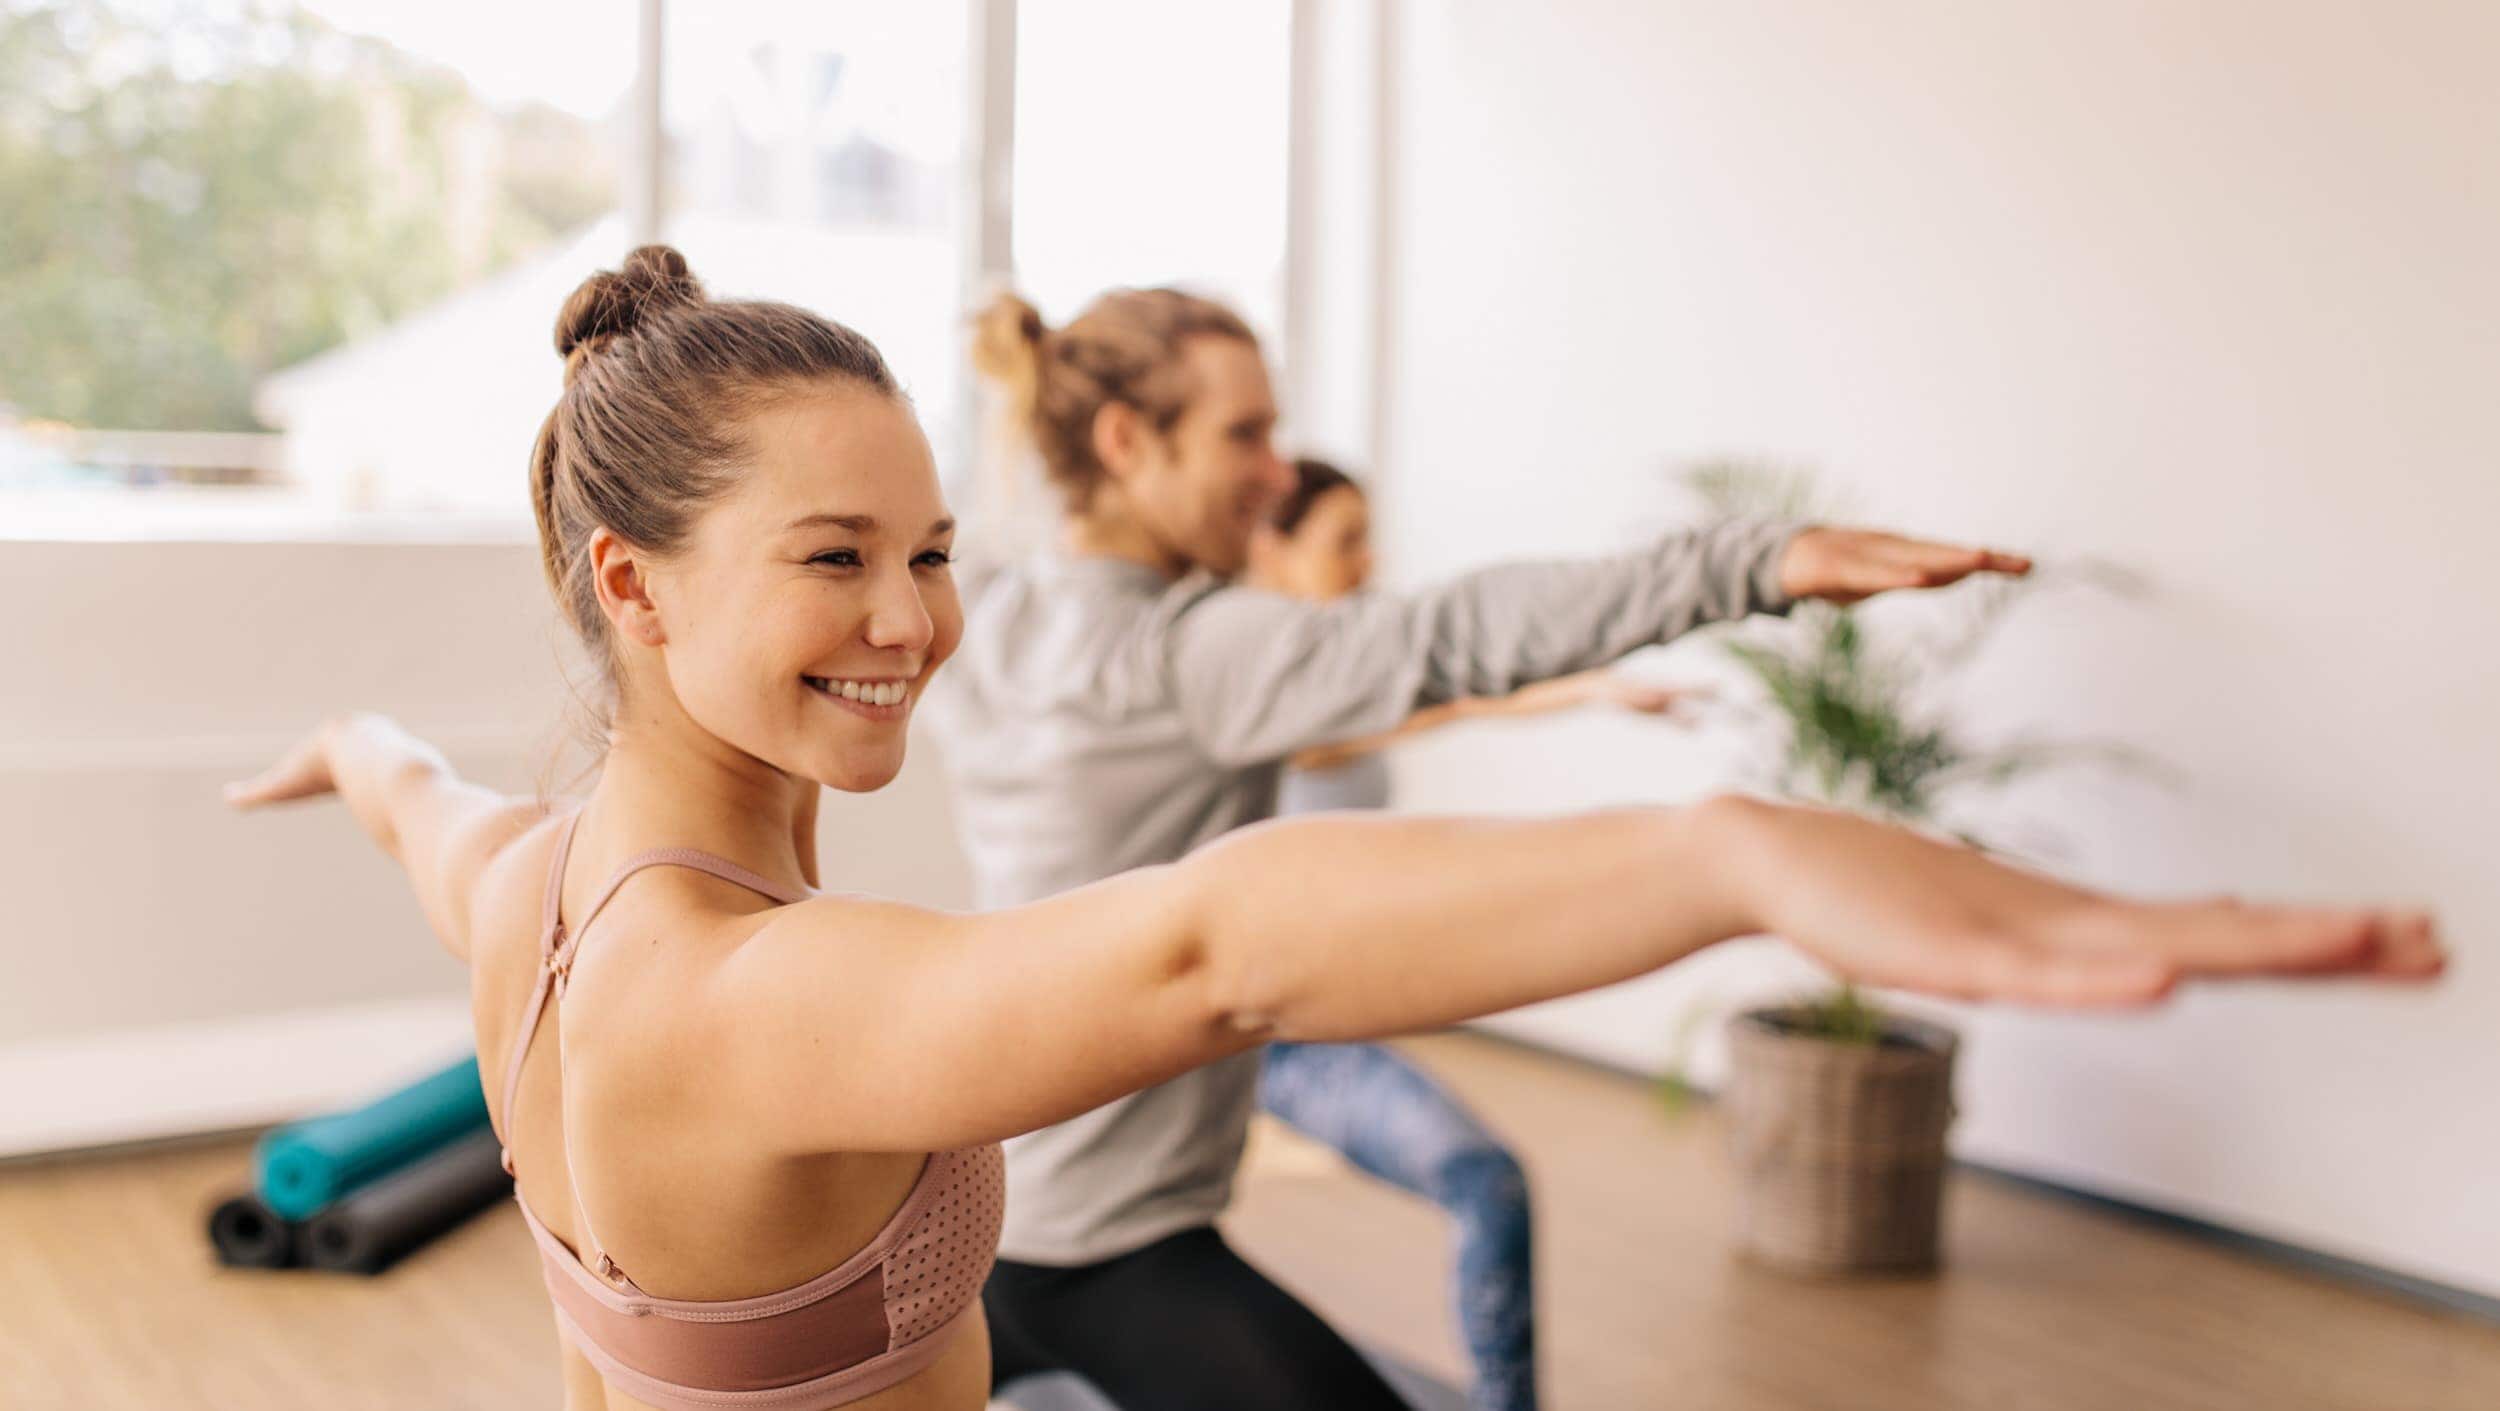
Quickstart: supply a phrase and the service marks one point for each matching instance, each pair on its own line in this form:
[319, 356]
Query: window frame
[985, 230]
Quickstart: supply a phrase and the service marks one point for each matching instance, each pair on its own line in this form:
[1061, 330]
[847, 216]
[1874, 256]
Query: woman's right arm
[442, 830]
[849, 1024]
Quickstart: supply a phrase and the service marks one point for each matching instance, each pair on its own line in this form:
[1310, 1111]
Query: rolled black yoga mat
[249, 1235]
[368, 1231]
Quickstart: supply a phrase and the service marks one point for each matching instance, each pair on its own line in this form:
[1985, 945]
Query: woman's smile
[885, 699]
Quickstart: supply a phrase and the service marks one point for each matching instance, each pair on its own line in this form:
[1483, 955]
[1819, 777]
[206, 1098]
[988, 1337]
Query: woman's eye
[849, 558]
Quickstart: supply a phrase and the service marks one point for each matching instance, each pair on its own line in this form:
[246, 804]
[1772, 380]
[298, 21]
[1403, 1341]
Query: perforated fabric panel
[937, 1270]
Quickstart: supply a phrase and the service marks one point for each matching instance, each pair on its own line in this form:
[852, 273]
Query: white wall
[170, 965]
[2206, 289]
[1337, 241]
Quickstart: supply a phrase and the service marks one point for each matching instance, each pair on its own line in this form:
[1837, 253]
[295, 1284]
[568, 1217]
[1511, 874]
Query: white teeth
[875, 693]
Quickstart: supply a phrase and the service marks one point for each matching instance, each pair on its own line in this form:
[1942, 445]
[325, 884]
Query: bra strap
[557, 945]
[550, 922]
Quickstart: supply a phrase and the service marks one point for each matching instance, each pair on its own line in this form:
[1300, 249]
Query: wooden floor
[108, 1298]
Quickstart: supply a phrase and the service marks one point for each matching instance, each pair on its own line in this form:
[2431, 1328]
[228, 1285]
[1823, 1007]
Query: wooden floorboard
[108, 1298]
[2044, 1302]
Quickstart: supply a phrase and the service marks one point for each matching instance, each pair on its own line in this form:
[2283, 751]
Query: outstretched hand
[1846, 565]
[303, 772]
[1672, 703]
[1893, 908]
[1600, 686]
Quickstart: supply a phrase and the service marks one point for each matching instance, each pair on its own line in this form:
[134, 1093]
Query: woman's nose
[898, 618]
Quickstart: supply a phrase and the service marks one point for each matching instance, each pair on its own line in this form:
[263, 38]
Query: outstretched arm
[1258, 676]
[440, 827]
[950, 1029]
[1604, 684]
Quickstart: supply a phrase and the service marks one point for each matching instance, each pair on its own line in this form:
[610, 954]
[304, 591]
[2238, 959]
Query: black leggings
[1181, 1325]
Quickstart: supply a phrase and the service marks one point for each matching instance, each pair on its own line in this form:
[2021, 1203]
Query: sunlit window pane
[1150, 149]
[255, 250]
[816, 156]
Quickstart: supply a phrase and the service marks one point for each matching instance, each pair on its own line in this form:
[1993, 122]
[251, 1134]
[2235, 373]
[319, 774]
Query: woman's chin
[863, 772]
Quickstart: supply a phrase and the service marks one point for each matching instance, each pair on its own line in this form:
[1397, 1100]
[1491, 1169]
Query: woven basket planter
[1839, 1147]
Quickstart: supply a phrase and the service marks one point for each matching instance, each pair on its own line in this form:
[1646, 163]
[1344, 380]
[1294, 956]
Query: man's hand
[1846, 565]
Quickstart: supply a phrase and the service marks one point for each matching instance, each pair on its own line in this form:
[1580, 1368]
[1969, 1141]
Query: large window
[1151, 149]
[816, 155]
[274, 256]
[230, 230]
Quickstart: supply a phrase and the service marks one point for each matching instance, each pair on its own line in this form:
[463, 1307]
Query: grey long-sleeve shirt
[1100, 717]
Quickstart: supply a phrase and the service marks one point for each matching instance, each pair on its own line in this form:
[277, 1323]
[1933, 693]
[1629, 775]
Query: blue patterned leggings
[1393, 1120]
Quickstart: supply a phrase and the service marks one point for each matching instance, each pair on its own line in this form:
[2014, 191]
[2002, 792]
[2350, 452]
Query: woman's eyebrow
[857, 523]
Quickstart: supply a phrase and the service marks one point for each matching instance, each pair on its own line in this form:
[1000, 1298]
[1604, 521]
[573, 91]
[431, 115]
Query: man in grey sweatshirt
[1117, 703]
[1101, 717]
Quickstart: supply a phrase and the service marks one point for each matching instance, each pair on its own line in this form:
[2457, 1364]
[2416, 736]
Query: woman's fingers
[2221, 938]
[2229, 937]
[1645, 699]
[269, 787]
[302, 773]
[2406, 946]
[2213, 942]
[1897, 909]
[2135, 953]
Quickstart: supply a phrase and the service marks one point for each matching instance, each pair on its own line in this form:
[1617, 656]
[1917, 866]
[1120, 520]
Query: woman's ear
[616, 574]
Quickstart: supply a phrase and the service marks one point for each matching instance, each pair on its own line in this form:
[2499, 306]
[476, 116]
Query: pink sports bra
[850, 1332]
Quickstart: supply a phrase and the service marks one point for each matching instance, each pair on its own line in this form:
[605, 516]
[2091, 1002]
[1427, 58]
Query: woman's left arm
[441, 828]
[1593, 687]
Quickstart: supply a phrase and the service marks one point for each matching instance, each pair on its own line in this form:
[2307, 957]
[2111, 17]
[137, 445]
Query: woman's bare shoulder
[507, 907]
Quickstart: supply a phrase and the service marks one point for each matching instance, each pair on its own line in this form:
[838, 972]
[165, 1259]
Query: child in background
[1384, 1114]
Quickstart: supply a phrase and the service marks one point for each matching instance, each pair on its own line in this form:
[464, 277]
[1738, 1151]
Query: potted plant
[1837, 1109]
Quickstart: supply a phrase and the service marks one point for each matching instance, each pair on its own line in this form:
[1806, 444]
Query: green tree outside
[190, 202]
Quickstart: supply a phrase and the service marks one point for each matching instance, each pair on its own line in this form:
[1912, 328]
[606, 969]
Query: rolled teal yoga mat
[306, 1165]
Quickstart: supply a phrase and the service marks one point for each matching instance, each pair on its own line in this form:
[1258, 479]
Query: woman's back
[621, 1126]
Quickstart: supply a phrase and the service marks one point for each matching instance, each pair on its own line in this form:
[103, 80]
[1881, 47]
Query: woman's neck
[669, 783]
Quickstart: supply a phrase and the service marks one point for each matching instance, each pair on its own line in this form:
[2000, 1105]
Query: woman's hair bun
[613, 303]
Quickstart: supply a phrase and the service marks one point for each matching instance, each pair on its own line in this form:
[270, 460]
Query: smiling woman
[648, 499]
